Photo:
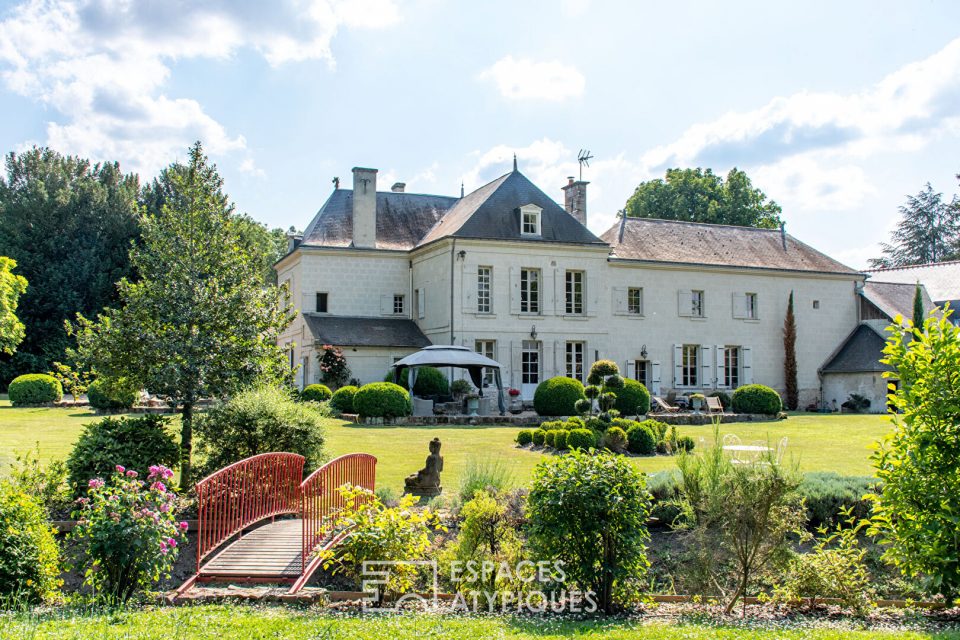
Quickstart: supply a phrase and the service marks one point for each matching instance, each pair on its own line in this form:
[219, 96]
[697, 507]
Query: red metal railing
[319, 497]
[244, 493]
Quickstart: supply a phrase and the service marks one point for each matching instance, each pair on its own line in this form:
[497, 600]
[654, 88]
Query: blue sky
[836, 110]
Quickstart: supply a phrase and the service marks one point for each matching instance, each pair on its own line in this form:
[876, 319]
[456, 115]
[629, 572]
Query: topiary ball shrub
[575, 422]
[548, 438]
[582, 439]
[111, 395]
[641, 440]
[659, 428]
[615, 439]
[685, 443]
[558, 396]
[633, 399]
[596, 424]
[560, 440]
[135, 442]
[29, 556]
[757, 398]
[539, 437]
[34, 388]
[316, 393]
[582, 407]
[430, 381]
[382, 400]
[342, 399]
[259, 421]
[525, 437]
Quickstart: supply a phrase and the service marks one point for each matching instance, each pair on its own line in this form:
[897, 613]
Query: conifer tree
[918, 308]
[928, 231]
[790, 357]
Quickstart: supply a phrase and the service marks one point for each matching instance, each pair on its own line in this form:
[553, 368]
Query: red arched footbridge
[245, 532]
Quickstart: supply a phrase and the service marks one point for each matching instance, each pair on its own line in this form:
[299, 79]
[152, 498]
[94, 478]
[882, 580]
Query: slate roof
[893, 298]
[402, 219]
[491, 212]
[859, 353]
[352, 331]
[941, 279]
[672, 241]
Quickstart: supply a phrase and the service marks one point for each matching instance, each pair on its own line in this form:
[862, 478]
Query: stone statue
[426, 482]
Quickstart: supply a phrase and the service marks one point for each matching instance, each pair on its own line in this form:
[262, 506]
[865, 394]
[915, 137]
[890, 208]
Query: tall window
[484, 279]
[530, 362]
[689, 366]
[398, 303]
[731, 367]
[635, 300]
[529, 291]
[486, 348]
[575, 292]
[575, 360]
[530, 223]
[751, 306]
[640, 371]
[696, 304]
[321, 302]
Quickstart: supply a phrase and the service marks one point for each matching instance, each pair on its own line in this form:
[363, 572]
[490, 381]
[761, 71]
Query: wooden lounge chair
[714, 405]
[659, 405]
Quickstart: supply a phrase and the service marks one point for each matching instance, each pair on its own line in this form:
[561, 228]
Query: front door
[529, 368]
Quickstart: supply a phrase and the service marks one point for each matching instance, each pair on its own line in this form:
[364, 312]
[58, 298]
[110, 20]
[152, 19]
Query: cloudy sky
[836, 109]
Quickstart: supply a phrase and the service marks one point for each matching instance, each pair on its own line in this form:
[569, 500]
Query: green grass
[226, 621]
[840, 443]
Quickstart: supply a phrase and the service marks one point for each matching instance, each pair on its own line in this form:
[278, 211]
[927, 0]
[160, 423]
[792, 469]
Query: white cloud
[249, 167]
[526, 79]
[101, 65]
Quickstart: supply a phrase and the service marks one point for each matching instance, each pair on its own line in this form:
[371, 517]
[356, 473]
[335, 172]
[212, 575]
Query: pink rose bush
[127, 531]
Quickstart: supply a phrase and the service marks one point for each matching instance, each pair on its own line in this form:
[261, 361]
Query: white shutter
[559, 364]
[630, 366]
[739, 306]
[513, 287]
[468, 295]
[516, 364]
[721, 366]
[421, 303]
[707, 371]
[677, 365]
[592, 297]
[655, 378]
[386, 304]
[685, 304]
[556, 289]
[747, 354]
[619, 300]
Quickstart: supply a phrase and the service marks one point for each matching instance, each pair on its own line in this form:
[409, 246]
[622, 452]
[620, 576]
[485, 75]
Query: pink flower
[95, 483]
[120, 468]
[163, 550]
[171, 543]
[167, 473]
[131, 473]
[183, 526]
[159, 486]
[165, 508]
[113, 498]
[163, 544]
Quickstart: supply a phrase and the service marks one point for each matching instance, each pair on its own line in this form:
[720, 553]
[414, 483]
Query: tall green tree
[918, 308]
[699, 195]
[12, 287]
[69, 225]
[790, 357]
[199, 323]
[928, 231]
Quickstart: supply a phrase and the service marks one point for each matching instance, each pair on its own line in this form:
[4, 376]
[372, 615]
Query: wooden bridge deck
[270, 551]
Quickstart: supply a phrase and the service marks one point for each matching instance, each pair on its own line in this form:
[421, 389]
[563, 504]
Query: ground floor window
[574, 360]
[530, 363]
[731, 367]
[640, 371]
[487, 348]
[690, 368]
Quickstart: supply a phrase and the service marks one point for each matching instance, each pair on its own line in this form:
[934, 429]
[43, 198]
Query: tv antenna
[584, 158]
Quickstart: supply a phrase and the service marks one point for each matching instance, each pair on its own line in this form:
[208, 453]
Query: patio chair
[660, 405]
[714, 405]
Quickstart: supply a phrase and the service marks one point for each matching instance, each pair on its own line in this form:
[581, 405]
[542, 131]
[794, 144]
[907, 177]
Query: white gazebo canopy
[452, 356]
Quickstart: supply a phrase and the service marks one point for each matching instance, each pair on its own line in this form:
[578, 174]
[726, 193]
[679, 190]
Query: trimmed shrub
[575, 422]
[525, 437]
[560, 440]
[756, 398]
[430, 381]
[582, 407]
[604, 368]
[623, 423]
[259, 421]
[111, 395]
[34, 388]
[539, 437]
[29, 557]
[382, 400]
[558, 396]
[460, 387]
[551, 425]
[659, 428]
[640, 439]
[342, 399]
[316, 393]
[596, 424]
[665, 492]
[548, 438]
[580, 439]
[615, 439]
[826, 494]
[134, 442]
[685, 443]
[724, 399]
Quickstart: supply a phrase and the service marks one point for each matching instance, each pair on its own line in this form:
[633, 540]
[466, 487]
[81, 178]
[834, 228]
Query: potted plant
[516, 405]
[473, 403]
[460, 388]
[697, 401]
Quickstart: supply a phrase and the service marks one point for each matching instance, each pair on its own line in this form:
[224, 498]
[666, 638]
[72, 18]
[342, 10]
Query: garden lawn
[234, 621]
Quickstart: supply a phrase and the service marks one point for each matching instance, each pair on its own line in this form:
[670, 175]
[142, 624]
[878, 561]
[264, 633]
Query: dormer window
[530, 220]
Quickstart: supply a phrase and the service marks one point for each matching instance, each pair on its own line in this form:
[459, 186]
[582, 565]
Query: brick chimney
[399, 187]
[575, 199]
[364, 208]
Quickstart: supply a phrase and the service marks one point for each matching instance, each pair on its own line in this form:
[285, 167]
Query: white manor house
[508, 272]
